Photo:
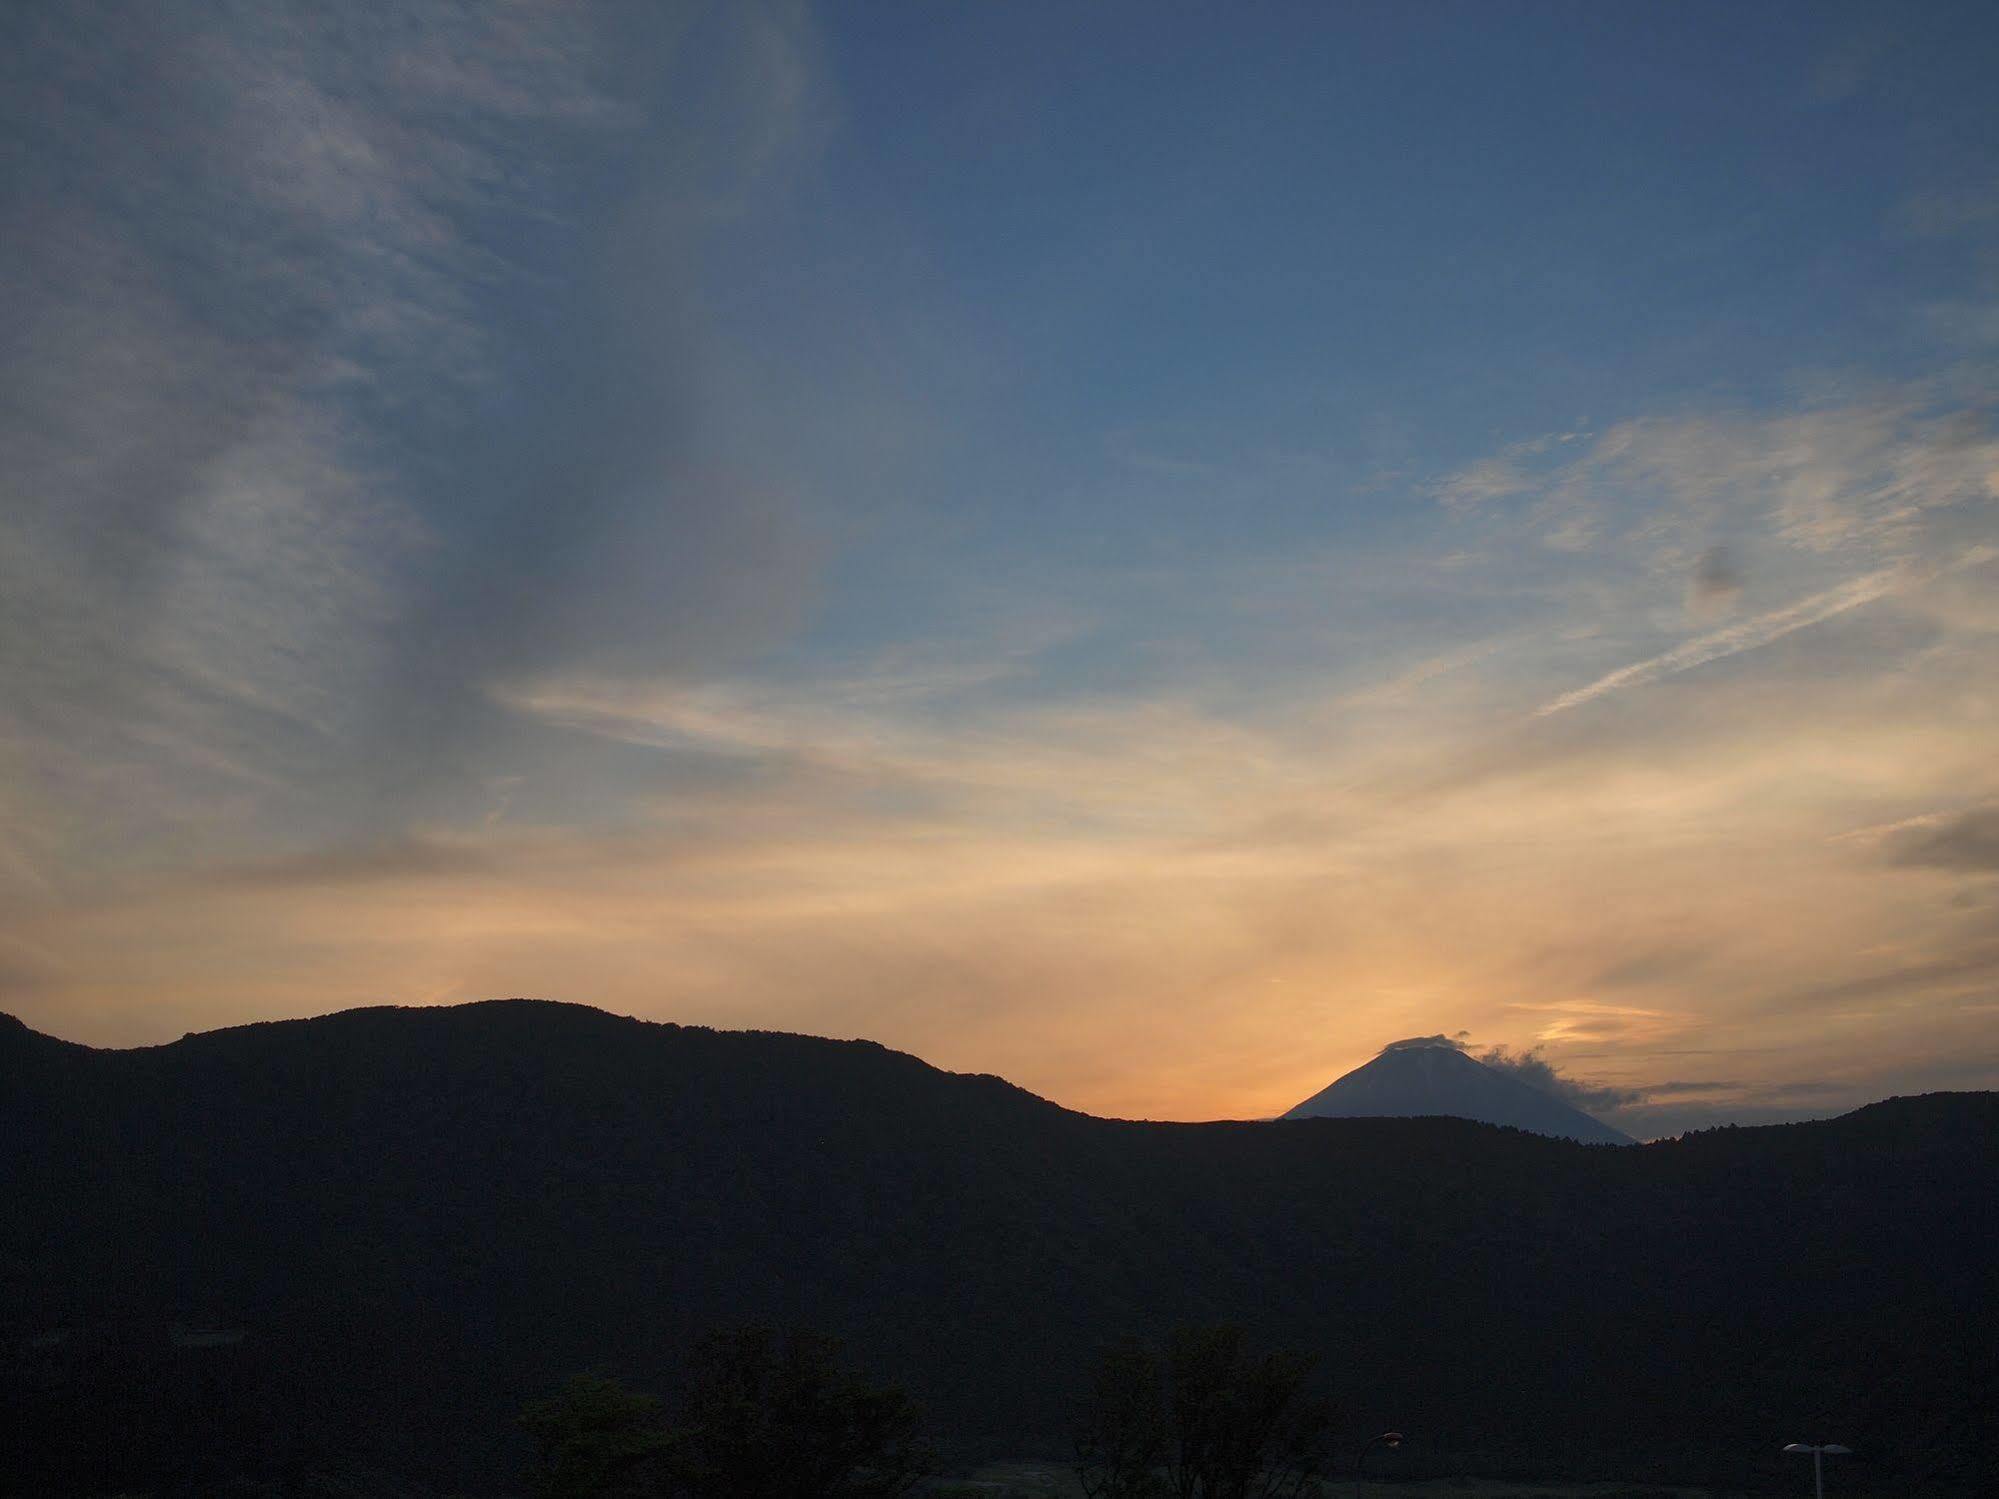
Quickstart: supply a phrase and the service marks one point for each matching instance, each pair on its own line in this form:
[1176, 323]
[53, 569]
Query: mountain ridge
[516, 1010]
[570, 1011]
[422, 1217]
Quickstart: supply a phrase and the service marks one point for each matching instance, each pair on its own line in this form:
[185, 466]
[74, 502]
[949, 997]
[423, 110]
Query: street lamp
[1818, 1450]
[1386, 1439]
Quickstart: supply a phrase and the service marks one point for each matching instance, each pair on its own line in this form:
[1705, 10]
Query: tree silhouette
[1121, 1428]
[1208, 1420]
[770, 1417]
[763, 1417]
[597, 1440]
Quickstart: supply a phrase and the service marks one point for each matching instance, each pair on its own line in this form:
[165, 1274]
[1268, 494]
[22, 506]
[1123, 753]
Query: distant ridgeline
[368, 1239]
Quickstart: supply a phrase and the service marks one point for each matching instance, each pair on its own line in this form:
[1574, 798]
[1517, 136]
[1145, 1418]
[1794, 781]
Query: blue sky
[1149, 549]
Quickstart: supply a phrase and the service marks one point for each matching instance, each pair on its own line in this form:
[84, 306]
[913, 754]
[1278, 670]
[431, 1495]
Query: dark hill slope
[421, 1217]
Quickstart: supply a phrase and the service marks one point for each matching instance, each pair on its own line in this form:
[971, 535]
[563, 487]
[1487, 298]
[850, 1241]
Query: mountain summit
[1408, 1081]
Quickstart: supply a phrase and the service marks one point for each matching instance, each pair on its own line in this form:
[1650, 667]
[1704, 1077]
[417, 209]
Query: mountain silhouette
[1411, 1081]
[291, 1248]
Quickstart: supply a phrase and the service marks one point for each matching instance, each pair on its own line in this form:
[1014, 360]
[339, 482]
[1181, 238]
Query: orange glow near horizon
[782, 517]
[1153, 913]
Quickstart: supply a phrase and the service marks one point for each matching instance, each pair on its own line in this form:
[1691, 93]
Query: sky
[1148, 549]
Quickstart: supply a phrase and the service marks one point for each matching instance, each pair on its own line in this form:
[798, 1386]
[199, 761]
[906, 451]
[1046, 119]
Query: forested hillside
[371, 1237]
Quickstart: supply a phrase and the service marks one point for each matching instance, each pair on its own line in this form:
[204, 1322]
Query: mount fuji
[1410, 1080]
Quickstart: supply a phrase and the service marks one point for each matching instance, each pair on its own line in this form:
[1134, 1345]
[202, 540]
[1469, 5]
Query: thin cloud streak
[1735, 639]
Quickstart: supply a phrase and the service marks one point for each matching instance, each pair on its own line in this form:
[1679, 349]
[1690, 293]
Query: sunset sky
[1146, 549]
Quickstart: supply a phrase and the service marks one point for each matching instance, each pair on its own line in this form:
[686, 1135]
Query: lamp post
[1386, 1439]
[1818, 1450]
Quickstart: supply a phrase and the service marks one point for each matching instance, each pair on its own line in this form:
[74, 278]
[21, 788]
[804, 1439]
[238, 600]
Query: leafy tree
[770, 1417]
[1220, 1421]
[763, 1417]
[597, 1440]
[1121, 1430]
[1239, 1424]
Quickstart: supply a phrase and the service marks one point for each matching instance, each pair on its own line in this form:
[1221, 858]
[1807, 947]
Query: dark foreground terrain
[358, 1244]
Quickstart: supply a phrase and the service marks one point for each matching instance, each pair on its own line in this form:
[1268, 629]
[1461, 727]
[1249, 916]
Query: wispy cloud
[249, 236]
[278, 268]
[560, 499]
[1573, 1021]
[1517, 469]
[1965, 841]
[1860, 475]
[1744, 636]
[1749, 634]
